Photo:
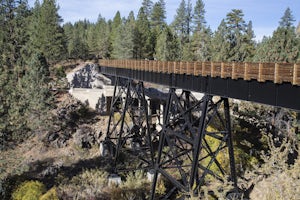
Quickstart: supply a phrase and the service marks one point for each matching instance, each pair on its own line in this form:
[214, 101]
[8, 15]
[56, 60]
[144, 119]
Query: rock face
[90, 87]
[87, 77]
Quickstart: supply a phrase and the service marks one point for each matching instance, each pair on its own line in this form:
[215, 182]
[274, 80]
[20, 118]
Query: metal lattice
[194, 134]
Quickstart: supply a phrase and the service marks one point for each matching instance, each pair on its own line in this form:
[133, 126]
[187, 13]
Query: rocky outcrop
[88, 76]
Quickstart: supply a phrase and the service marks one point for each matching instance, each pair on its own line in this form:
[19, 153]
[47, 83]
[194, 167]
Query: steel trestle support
[128, 132]
[196, 134]
[193, 147]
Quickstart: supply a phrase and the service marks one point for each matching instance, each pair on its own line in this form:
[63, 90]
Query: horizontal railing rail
[276, 72]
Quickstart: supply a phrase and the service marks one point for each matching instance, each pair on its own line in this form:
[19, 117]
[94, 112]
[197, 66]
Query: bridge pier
[128, 130]
[192, 138]
[194, 135]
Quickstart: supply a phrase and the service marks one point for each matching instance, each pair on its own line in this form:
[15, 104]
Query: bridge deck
[268, 83]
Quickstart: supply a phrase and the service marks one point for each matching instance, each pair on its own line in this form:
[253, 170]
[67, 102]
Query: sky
[264, 14]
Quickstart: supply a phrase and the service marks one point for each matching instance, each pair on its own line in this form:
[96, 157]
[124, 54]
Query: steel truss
[194, 140]
[128, 132]
[195, 134]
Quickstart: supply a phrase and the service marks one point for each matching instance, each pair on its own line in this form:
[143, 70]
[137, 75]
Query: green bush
[29, 190]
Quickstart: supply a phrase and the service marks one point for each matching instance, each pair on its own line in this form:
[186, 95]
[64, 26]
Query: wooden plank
[260, 70]
[246, 75]
[234, 76]
[212, 69]
[296, 75]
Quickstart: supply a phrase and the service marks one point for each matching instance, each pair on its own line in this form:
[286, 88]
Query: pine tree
[199, 16]
[201, 39]
[167, 46]
[124, 45]
[287, 19]
[158, 15]
[147, 6]
[102, 34]
[143, 38]
[35, 93]
[46, 35]
[236, 33]
[249, 43]
[180, 22]
[220, 46]
[262, 52]
[283, 46]
[13, 34]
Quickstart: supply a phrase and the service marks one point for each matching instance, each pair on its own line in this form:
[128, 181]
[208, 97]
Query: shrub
[29, 190]
[50, 195]
[275, 178]
[135, 187]
[90, 184]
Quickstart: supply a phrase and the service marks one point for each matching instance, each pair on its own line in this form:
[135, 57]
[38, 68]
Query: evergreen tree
[124, 46]
[147, 6]
[182, 27]
[167, 46]
[236, 35]
[46, 35]
[13, 34]
[220, 46]
[262, 52]
[249, 43]
[201, 39]
[287, 19]
[115, 25]
[102, 34]
[143, 38]
[199, 16]
[158, 15]
[179, 24]
[284, 45]
[36, 96]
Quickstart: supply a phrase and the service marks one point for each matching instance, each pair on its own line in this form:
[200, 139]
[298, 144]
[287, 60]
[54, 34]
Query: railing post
[276, 74]
[212, 69]
[223, 70]
[295, 74]
[233, 73]
[260, 72]
[195, 68]
[203, 68]
[246, 72]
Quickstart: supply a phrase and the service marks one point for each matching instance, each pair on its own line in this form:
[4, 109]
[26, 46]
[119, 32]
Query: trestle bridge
[171, 137]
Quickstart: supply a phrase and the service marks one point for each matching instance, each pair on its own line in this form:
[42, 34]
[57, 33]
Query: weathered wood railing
[276, 72]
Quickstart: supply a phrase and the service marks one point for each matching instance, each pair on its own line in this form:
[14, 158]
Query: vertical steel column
[145, 105]
[160, 146]
[122, 125]
[112, 105]
[198, 142]
[230, 144]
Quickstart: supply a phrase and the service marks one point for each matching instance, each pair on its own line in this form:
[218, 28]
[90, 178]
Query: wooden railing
[276, 72]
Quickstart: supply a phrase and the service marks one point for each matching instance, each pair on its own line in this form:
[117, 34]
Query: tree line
[33, 39]
[187, 38]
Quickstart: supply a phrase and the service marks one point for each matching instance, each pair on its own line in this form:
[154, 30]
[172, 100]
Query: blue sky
[265, 14]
